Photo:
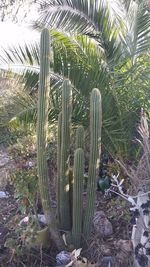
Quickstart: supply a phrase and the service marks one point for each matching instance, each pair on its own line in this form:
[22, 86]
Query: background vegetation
[94, 44]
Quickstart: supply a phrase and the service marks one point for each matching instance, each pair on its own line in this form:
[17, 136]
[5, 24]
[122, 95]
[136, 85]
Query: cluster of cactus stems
[70, 215]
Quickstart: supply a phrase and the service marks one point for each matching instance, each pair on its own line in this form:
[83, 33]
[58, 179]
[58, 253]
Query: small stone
[63, 258]
[25, 220]
[3, 194]
[102, 226]
[4, 159]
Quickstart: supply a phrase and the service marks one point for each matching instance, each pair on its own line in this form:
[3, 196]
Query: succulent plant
[42, 130]
[78, 173]
[65, 219]
[95, 141]
[69, 181]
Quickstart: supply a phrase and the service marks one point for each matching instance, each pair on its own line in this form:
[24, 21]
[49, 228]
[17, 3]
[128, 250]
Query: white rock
[25, 220]
[42, 218]
[4, 194]
[63, 258]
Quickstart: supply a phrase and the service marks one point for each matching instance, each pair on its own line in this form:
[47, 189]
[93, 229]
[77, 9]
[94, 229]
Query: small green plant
[26, 188]
[23, 176]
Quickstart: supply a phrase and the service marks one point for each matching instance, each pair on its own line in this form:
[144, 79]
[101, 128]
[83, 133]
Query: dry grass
[140, 174]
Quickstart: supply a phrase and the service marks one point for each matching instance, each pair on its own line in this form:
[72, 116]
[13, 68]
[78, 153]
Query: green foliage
[108, 49]
[104, 183]
[24, 176]
[25, 182]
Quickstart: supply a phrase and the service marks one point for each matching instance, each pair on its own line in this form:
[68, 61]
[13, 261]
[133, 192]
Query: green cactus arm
[65, 220]
[58, 163]
[42, 130]
[95, 141]
[79, 137]
[78, 172]
[42, 122]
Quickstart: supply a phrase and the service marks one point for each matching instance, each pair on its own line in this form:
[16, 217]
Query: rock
[4, 194]
[63, 258]
[102, 226]
[25, 220]
[42, 219]
[4, 159]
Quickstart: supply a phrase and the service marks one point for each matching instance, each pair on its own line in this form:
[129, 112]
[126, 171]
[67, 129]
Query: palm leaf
[138, 35]
[100, 20]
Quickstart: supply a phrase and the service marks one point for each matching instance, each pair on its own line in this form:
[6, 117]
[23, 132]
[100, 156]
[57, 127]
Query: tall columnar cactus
[78, 173]
[65, 220]
[95, 140]
[58, 163]
[42, 129]
[79, 137]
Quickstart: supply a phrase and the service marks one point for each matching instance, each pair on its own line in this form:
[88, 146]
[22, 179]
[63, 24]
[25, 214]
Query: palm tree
[96, 44]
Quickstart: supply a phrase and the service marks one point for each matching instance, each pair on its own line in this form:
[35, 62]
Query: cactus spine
[42, 129]
[78, 173]
[95, 140]
[65, 220]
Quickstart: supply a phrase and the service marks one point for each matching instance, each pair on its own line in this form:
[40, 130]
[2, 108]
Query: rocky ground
[111, 234]
[7, 203]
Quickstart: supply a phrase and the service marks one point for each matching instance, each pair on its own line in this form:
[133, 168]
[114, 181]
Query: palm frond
[101, 20]
[138, 36]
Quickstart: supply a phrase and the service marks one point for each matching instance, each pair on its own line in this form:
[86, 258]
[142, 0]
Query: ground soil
[116, 210]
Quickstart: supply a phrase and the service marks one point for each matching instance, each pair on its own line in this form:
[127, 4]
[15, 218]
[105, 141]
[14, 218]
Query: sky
[13, 33]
